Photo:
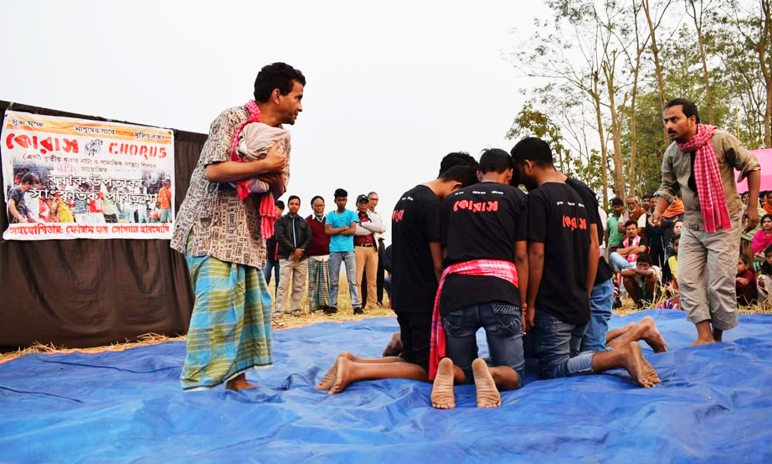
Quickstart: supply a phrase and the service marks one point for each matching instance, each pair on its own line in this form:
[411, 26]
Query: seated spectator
[641, 281]
[764, 280]
[632, 245]
[745, 282]
[670, 270]
[763, 238]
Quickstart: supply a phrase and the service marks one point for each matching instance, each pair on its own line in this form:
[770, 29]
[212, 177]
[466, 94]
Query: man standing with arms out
[380, 246]
[165, 200]
[700, 163]
[294, 237]
[365, 250]
[17, 209]
[341, 226]
[318, 258]
[563, 266]
[417, 265]
[484, 231]
[224, 243]
[272, 253]
[613, 236]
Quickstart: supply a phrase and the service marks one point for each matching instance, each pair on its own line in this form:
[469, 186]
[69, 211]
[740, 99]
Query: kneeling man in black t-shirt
[562, 267]
[484, 232]
[417, 264]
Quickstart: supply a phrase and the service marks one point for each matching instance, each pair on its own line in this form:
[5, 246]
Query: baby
[255, 140]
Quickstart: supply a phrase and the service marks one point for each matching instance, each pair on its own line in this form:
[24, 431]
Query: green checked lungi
[230, 328]
[318, 283]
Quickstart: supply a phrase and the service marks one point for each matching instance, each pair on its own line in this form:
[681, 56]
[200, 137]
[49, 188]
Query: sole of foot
[343, 368]
[329, 378]
[487, 394]
[635, 365]
[652, 336]
[443, 396]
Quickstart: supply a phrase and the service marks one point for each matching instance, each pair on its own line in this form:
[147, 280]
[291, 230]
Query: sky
[390, 90]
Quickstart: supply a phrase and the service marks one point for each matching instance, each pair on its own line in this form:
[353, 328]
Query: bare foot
[487, 393]
[329, 378]
[650, 373]
[703, 341]
[394, 348]
[651, 335]
[343, 368]
[239, 383]
[634, 364]
[443, 396]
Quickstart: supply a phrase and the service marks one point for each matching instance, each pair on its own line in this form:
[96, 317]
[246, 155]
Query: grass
[345, 313]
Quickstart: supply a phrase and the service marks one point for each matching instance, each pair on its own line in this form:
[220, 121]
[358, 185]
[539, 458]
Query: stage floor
[714, 405]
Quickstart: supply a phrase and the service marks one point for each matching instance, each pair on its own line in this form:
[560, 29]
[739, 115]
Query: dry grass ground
[345, 313]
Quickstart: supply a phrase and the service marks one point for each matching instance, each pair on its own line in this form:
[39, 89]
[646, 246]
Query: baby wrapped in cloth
[255, 140]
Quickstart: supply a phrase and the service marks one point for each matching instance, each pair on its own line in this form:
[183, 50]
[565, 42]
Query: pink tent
[764, 156]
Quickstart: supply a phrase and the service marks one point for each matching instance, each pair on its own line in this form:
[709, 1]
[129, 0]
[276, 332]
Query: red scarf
[266, 209]
[481, 267]
[631, 257]
[710, 189]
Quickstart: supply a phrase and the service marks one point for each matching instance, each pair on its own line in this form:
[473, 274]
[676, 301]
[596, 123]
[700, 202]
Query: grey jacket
[677, 168]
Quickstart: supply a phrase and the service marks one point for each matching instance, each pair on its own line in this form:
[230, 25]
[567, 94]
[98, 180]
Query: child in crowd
[641, 281]
[670, 277]
[670, 270]
[764, 280]
[745, 282]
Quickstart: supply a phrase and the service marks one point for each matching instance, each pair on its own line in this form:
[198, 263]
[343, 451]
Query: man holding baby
[222, 226]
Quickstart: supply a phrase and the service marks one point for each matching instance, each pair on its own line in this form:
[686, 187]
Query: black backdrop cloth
[83, 293]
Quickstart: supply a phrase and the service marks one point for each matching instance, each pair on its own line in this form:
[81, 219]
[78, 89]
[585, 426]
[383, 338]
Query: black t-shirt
[17, 196]
[591, 203]
[558, 217]
[481, 222]
[415, 223]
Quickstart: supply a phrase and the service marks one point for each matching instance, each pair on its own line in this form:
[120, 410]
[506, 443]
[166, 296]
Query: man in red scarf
[223, 239]
[700, 163]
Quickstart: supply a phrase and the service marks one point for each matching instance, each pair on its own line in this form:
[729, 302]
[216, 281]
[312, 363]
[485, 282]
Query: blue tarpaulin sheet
[714, 405]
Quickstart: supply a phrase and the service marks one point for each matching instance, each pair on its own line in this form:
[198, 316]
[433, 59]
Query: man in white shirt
[365, 248]
[380, 246]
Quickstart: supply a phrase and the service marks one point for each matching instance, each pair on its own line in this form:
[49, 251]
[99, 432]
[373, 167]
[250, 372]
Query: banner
[68, 178]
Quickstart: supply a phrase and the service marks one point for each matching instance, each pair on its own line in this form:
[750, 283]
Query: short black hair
[317, 197]
[645, 258]
[764, 217]
[675, 237]
[743, 258]
[617, 202]
[276, 76]
[688, 107]
[466, 175]
[631, 223]
[456, 158]
[293, 197]
[648, 195]
[279, 204]
[534, 150]
[495, 160]
[768, 250]
[340, 193]
[30, 178]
